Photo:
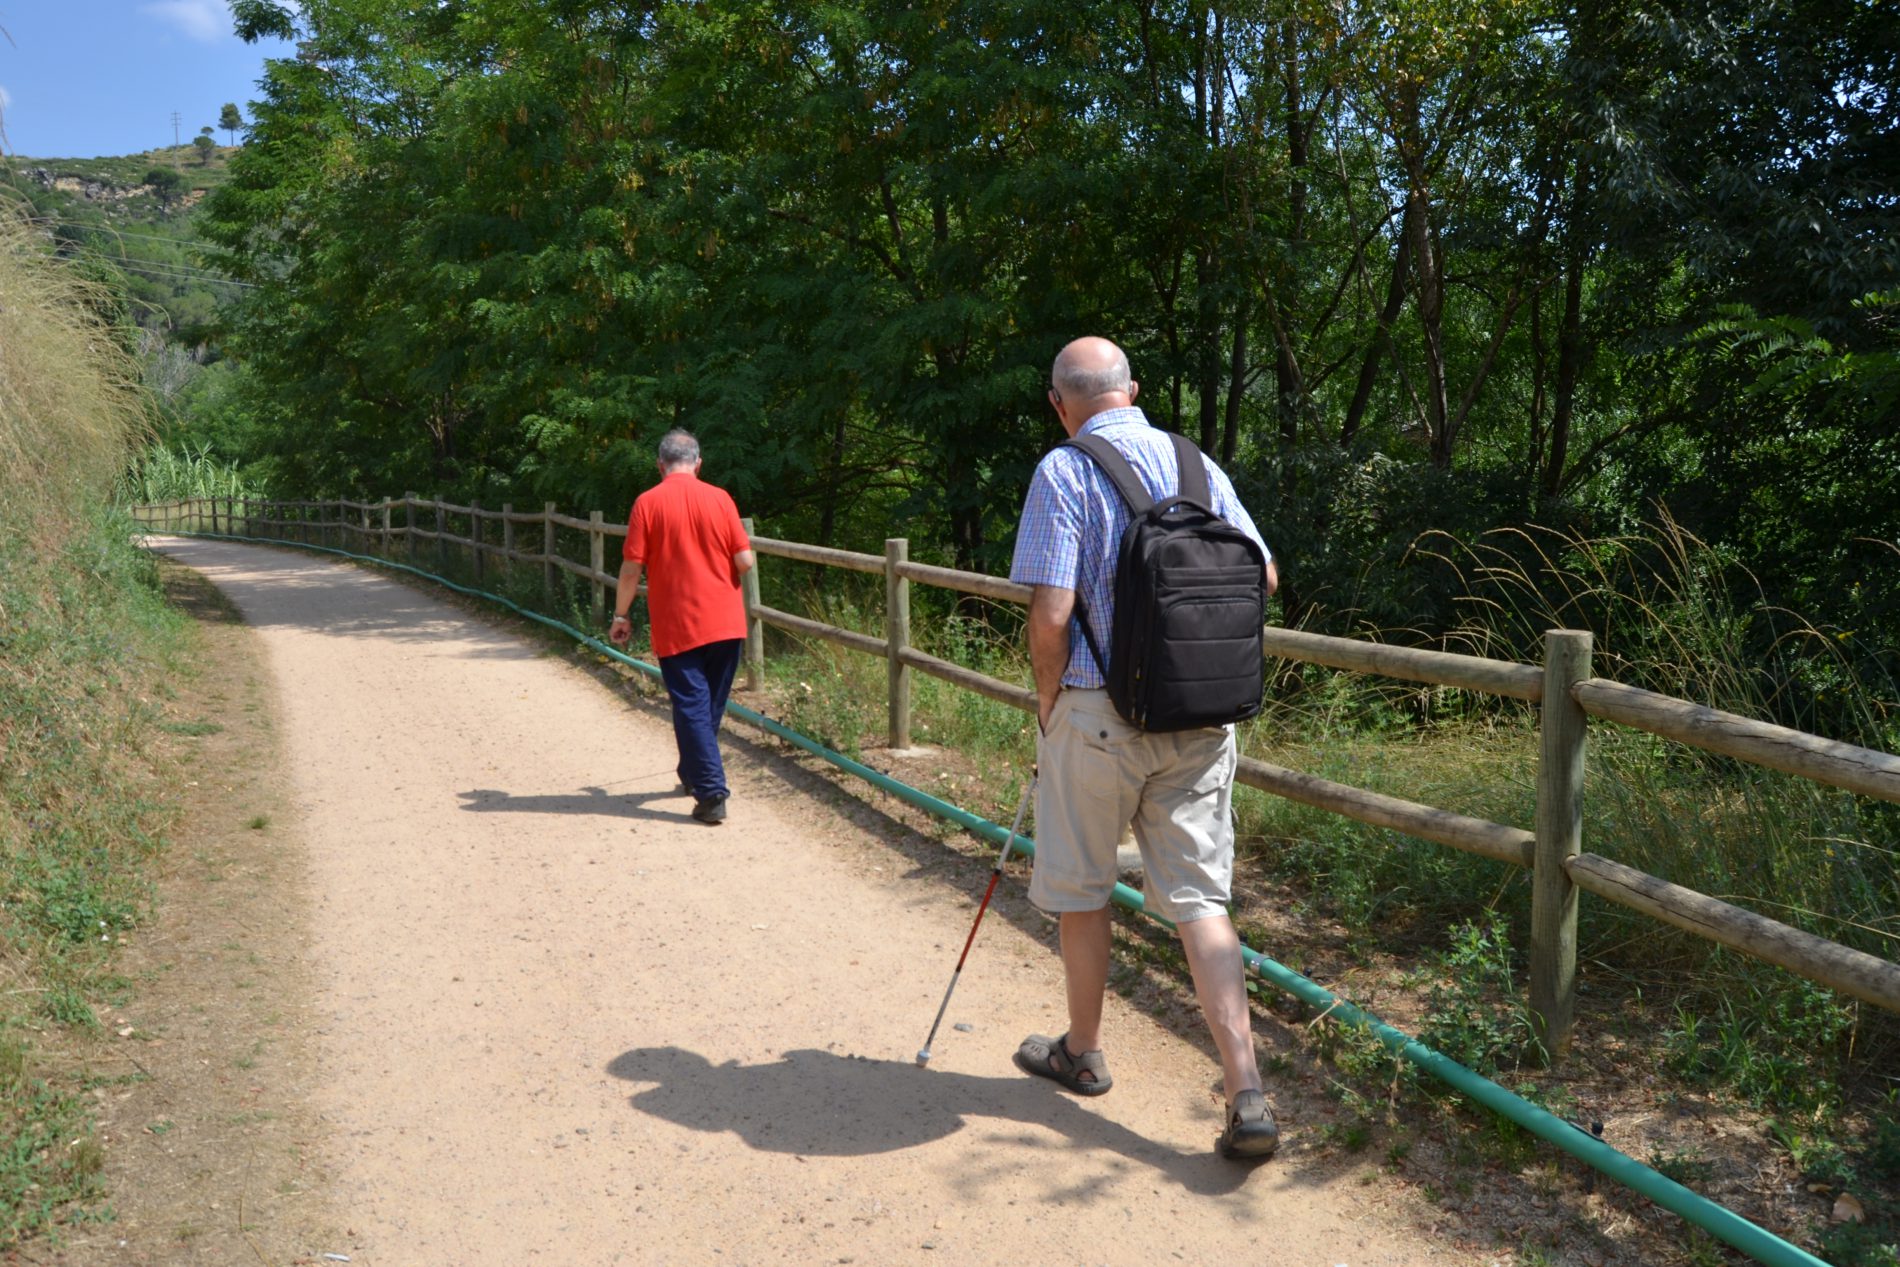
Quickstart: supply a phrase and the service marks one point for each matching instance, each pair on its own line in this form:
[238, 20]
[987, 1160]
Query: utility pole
[174, 138]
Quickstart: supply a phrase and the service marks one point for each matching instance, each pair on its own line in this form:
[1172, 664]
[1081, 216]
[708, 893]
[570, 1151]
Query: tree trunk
[1534, 451]
[828, 522]
[1569, 360]
[1236, 382]
[1382, 332]
[1207, 350]
[1429, 296]
[1289, 389]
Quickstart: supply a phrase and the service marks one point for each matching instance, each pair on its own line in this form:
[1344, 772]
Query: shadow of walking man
[819, 1103]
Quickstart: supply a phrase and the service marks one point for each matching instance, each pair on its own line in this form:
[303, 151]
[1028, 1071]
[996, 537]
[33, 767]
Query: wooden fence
[1564, 687]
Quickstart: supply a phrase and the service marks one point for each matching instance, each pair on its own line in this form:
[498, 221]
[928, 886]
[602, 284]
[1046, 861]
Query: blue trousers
[699, 682]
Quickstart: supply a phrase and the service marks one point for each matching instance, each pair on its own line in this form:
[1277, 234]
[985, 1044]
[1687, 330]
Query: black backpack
[1190, 602]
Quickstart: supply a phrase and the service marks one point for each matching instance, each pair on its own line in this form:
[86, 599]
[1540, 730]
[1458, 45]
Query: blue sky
[83, 78]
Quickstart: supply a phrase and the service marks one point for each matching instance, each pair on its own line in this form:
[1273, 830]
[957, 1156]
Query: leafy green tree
[165, 183]
[230, 119]
[204, 145]
[1401, 264]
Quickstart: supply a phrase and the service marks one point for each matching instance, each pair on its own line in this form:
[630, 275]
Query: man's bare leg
[1085, 946]
[1220, 984]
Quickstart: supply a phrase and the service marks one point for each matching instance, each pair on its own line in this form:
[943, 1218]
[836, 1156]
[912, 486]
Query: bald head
[1089, 376]
[1089, 368]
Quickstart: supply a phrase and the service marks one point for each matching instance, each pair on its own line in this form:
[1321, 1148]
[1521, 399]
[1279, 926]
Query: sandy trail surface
[560, 1022]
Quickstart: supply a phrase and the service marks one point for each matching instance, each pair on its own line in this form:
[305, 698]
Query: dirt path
[556, 1021]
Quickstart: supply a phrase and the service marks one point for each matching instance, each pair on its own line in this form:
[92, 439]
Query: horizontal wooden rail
[970, 680]
[968, 582]
[607, 527]
[1445, 668]
[585, 572]
[1473, 835]
[1854, 972]
[818, 629]
[1861, 770]
[847, 559]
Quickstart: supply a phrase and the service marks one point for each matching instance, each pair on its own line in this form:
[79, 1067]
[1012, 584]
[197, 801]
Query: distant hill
[121, 179]
[137, 233]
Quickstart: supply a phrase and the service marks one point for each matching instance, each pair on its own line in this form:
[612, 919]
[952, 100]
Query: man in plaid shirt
[1099, 773]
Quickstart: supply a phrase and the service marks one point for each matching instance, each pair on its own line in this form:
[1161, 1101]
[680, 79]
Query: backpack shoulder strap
[1106, 456]
[1193, 482]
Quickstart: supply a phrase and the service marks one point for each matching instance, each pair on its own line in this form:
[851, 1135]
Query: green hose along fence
[1718, 1221]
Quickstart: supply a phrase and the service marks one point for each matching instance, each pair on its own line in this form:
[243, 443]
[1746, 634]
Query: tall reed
[166, 474]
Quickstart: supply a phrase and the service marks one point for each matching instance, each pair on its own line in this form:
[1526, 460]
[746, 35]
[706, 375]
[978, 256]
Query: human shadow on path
[819, 1103]
[589, 800]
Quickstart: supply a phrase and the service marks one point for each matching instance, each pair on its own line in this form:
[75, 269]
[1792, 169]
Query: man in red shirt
[688, 538]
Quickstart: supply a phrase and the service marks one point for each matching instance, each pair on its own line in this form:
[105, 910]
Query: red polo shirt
[684, 533]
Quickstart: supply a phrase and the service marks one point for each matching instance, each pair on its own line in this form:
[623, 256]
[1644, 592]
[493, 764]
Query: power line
[117, 233]
[160, 274]
[164, 268]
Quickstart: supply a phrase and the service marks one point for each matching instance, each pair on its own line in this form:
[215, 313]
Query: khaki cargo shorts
[1099, 774]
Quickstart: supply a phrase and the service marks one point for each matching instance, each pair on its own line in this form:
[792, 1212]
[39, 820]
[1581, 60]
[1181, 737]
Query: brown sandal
[1051, 1058]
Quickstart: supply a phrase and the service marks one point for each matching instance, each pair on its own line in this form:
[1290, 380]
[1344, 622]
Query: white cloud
[206, 20]
[6, 98]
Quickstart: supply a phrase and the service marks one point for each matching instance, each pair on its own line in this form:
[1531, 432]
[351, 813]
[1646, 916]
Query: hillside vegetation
[83, 635]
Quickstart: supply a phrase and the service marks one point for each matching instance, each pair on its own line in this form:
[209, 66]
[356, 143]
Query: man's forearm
[1048, 658]
[628, 587]
[1049, 612]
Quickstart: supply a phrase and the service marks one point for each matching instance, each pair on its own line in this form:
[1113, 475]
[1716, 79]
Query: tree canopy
[1402, 264]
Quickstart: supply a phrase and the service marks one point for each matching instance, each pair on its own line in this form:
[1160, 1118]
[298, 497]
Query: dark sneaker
[710, 811]
[1251, 1132]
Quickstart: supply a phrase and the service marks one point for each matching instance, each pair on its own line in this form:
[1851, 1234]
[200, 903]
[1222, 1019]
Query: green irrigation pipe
[1718, 1221]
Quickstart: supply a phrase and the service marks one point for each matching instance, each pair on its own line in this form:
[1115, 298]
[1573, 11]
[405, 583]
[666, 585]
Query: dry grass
[70, 409]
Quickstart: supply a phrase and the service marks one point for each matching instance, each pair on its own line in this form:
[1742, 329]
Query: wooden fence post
[441, 537]
[214, 515]
[409, 530]
[368, 530]
[547, 555]
[507, 540]
[754, 627]
[897, 637]
[597, 560]
[477, 551]
[1559, 832]
[386, 541]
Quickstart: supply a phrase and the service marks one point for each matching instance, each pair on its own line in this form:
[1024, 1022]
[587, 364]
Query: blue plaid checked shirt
[1073, 521]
